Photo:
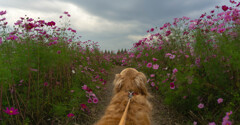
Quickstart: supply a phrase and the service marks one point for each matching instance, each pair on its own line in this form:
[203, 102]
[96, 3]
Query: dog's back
[139, 111]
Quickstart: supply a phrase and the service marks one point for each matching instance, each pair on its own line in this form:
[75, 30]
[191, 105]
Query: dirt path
[162, 115]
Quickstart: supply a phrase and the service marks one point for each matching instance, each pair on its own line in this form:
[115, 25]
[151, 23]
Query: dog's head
[131, 80]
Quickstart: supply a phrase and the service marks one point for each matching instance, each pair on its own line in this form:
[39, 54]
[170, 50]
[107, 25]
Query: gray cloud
[145, 11]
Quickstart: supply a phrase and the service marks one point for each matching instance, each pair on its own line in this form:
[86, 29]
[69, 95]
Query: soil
[162, 115]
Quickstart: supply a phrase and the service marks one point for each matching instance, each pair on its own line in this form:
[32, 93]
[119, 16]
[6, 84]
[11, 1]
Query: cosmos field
[48, 75]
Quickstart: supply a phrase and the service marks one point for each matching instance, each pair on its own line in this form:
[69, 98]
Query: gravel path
[162, 115]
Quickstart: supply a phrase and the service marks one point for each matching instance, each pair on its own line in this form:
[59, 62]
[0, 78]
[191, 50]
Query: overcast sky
[115, 24]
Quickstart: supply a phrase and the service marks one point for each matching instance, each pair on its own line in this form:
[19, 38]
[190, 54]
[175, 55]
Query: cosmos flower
[154, 59]
[95, 100]
[11, 111]
[212, 123]
[89, 100]
[168, 33]
[201, 106]
[220, 100]
[225, 8]
[175, 70]
[149, 65]
[3, 12]
[155, 66]
[12, 37]
[70, 115]
[172, 86]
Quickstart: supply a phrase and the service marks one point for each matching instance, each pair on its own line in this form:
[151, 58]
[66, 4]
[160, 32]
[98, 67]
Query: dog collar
[131, 94]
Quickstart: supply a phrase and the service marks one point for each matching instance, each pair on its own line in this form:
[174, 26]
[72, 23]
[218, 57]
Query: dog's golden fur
[139, 111]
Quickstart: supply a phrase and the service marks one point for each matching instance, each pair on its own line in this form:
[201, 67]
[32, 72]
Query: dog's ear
[117, 83]
[141, 80]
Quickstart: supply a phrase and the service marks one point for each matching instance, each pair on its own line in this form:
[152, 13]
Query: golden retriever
[139, 112]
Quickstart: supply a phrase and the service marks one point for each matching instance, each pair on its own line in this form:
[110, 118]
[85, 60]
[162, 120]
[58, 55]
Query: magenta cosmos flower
[154, 59]
[83, 106]
[149, 65]
[89, 100]
[168, 33]
[52, 23]
[3, 12]
[11, 111]
[172, 86]
[225, 8]
[95, 100]
[12, 37]
[70, 115]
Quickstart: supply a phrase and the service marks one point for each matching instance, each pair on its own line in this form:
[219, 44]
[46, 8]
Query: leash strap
[123, 119]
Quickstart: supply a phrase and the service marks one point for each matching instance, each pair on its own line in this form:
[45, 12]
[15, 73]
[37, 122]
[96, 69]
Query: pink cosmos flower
[168, 54]
[201, 106]
[149, 65]
[154, 59]
[172, 56]
[18, 22]
[212, 123]
[152, 75]
[175, 70]
[11, 111]
[98, 87]
[70, 115]
[194, 123]
[95, 100]
[156, 66]
[152, 84]
[2, 19]
[72, 91]
[84, 87]
[187, 56]
[228, 113]
[220, 100]
[12, 37]
[226, 118]
[172, 86]
[21, 81]
[89, 100]
[221, 30]
[226, 123]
